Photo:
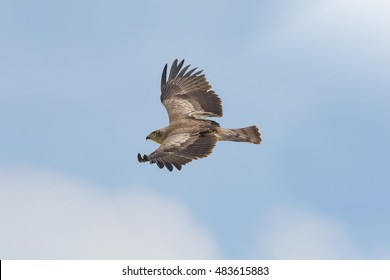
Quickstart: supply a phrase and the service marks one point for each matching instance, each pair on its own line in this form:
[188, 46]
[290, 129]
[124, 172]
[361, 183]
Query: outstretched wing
[179, 149]
[188, 93]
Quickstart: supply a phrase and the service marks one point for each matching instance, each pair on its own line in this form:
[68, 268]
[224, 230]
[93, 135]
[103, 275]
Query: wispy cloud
[293, 232]
[50, 216]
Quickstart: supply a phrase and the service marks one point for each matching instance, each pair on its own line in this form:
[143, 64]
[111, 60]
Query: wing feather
[175, 69]
[188, 93]
[164, 76]
[183, 71]
[171, 153]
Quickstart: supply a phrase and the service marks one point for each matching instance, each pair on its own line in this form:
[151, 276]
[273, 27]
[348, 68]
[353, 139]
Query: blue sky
[79, 91]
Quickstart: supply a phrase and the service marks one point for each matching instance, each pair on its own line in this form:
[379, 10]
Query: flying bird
[190, 135]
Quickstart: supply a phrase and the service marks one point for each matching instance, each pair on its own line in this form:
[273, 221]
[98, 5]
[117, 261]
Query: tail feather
[249, 134]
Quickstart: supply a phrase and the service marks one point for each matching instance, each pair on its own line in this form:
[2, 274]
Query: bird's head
[156, 136]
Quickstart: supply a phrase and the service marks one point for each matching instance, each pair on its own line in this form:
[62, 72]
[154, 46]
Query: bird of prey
[190, 135]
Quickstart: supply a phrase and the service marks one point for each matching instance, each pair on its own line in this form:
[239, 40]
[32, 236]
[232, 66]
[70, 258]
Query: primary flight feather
[189, 101]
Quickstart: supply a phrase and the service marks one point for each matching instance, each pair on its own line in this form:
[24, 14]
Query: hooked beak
[148, 137]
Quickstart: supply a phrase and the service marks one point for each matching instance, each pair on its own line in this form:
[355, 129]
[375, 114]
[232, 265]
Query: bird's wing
[179, 149]
[188, 93]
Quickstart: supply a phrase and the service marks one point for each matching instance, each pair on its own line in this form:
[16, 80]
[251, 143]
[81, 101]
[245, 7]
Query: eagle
[190, 135]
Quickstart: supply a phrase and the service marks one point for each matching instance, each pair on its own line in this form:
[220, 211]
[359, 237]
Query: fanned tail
[249, 134]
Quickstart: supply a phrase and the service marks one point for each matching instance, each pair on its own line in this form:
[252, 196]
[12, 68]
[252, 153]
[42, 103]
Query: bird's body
[189, 100]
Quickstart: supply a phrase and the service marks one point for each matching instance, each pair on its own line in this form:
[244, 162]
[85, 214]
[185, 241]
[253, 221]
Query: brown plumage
[189, 100]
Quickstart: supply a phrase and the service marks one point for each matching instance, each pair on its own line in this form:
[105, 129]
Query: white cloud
[49, 216]
[346, 20]
[350, 38]
[294, 233]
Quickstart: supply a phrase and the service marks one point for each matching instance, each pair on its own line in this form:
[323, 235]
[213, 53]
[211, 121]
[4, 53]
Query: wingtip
[142, 159]
[169, 167]
[164, 75]
[181, 64]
